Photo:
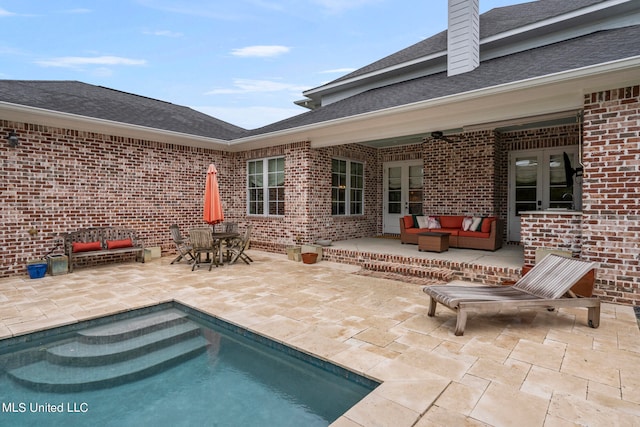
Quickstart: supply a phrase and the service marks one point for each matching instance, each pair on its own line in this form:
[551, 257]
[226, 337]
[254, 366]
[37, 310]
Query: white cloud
[76, 61]
[254, 86]
[260, 51]
[338, 70]
[164, 33]
[250, 117]
[4, 12]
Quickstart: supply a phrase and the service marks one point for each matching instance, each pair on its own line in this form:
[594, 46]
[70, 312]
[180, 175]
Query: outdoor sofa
[487, 236]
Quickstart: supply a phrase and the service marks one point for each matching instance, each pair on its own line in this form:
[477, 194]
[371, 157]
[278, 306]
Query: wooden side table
[433, 242]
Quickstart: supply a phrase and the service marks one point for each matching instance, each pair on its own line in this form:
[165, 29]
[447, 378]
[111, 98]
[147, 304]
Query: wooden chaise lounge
[545, 285]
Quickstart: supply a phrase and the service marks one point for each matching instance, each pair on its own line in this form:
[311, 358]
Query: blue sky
[242, 61]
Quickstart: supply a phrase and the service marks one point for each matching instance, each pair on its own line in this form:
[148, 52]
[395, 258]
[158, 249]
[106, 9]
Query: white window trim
[348, 187]
[265, 186]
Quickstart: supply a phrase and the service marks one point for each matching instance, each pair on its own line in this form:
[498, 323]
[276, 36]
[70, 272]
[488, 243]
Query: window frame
[349, 175]
[266, 190]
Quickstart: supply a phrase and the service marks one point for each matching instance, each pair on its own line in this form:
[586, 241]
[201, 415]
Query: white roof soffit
[22, 113]
[553, 93]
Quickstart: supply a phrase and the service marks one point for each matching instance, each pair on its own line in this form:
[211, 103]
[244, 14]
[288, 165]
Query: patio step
[111, 355]
[433, 273]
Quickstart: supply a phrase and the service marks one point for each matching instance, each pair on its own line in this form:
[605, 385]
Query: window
[265, 181]
[347, 187]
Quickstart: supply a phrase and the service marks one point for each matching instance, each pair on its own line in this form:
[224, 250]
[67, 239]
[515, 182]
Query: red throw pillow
[408, 222]
[115, 244]
[86, 247]
[486, 224]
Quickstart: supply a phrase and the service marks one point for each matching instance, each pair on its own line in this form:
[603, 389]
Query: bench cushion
[86, 247]
[123, 243]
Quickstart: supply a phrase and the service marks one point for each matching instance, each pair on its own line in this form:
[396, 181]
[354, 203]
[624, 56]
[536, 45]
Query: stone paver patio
[529, 368]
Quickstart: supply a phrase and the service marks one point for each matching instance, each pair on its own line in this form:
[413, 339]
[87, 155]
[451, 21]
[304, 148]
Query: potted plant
[309, 257]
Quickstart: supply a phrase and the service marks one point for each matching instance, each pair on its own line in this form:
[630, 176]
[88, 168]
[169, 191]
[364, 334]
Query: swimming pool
[216, 374]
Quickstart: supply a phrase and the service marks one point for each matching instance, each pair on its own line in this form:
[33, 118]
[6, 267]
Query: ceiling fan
[439, 135]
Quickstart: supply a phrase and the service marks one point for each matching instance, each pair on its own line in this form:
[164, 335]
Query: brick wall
[557, 231]
[58, 180]
[611, 191]
[308, 197]
[460, 176]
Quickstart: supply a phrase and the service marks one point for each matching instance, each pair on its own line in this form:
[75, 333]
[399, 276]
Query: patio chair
[230, 227]
[545, 285]
[236, 247]
[182, 245]
[203, 243]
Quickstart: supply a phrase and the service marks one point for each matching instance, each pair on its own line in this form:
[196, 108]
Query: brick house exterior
[68, 174]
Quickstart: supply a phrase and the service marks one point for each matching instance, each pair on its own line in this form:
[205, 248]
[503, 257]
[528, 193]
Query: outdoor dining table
[219, 237]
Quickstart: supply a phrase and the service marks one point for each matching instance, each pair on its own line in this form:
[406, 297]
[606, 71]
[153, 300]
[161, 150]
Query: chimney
[463, 36]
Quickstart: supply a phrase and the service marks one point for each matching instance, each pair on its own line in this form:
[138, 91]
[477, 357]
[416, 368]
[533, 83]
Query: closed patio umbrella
[212, 205]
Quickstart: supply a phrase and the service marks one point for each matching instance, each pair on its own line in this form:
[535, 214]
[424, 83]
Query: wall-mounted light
[13, 139]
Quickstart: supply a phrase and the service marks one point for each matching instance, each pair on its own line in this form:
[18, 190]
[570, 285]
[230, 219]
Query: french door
[402, 193]
[538, 181]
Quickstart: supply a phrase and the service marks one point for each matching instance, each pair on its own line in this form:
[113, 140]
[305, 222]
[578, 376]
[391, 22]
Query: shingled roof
[575, 53]
[495, 21]
[103, 103]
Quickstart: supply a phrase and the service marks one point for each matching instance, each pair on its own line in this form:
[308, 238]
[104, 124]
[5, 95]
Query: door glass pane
[415, 190]
[394, 195]
[526, 183]
[560, 195]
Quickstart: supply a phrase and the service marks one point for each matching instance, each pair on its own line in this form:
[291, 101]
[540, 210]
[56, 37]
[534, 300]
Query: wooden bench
[101, 241]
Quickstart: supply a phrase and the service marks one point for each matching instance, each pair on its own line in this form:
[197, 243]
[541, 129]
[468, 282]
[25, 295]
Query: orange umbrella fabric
[212, 205]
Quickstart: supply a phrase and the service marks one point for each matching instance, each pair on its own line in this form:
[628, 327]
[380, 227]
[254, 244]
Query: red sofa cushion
[408, 222]
[486, 224]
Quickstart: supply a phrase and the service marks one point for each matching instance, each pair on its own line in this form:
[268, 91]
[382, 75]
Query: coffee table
[433, 241]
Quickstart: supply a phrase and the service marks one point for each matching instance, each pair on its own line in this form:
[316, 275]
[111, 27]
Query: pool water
[235, 380]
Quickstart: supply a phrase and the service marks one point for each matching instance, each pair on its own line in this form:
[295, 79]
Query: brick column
[611, 191]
